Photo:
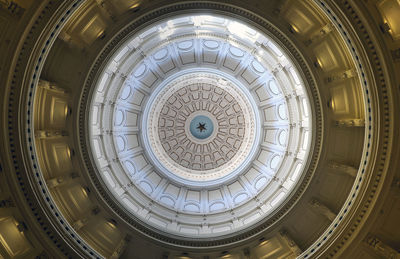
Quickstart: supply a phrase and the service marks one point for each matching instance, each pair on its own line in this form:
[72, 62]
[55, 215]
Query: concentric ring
[201, 94]
[128, 103]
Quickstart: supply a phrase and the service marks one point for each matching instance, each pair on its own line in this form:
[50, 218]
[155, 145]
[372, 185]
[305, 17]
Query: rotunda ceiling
[194, 120]
[185, 133]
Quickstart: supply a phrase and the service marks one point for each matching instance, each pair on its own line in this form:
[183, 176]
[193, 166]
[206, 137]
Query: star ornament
[201, 127]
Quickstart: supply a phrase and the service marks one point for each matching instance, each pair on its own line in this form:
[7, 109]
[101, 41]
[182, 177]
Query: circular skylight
[200, 125]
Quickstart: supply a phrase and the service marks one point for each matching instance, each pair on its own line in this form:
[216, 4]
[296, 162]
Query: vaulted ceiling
[98, 158]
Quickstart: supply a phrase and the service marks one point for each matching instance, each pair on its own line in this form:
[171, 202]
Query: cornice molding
[29, 183]
[373, 171]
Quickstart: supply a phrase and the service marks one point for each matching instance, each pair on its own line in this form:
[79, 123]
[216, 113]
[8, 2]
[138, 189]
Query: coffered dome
[201, 122]
[199, 129]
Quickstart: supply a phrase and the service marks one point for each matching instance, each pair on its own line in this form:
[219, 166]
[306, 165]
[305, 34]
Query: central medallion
[202, 126]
